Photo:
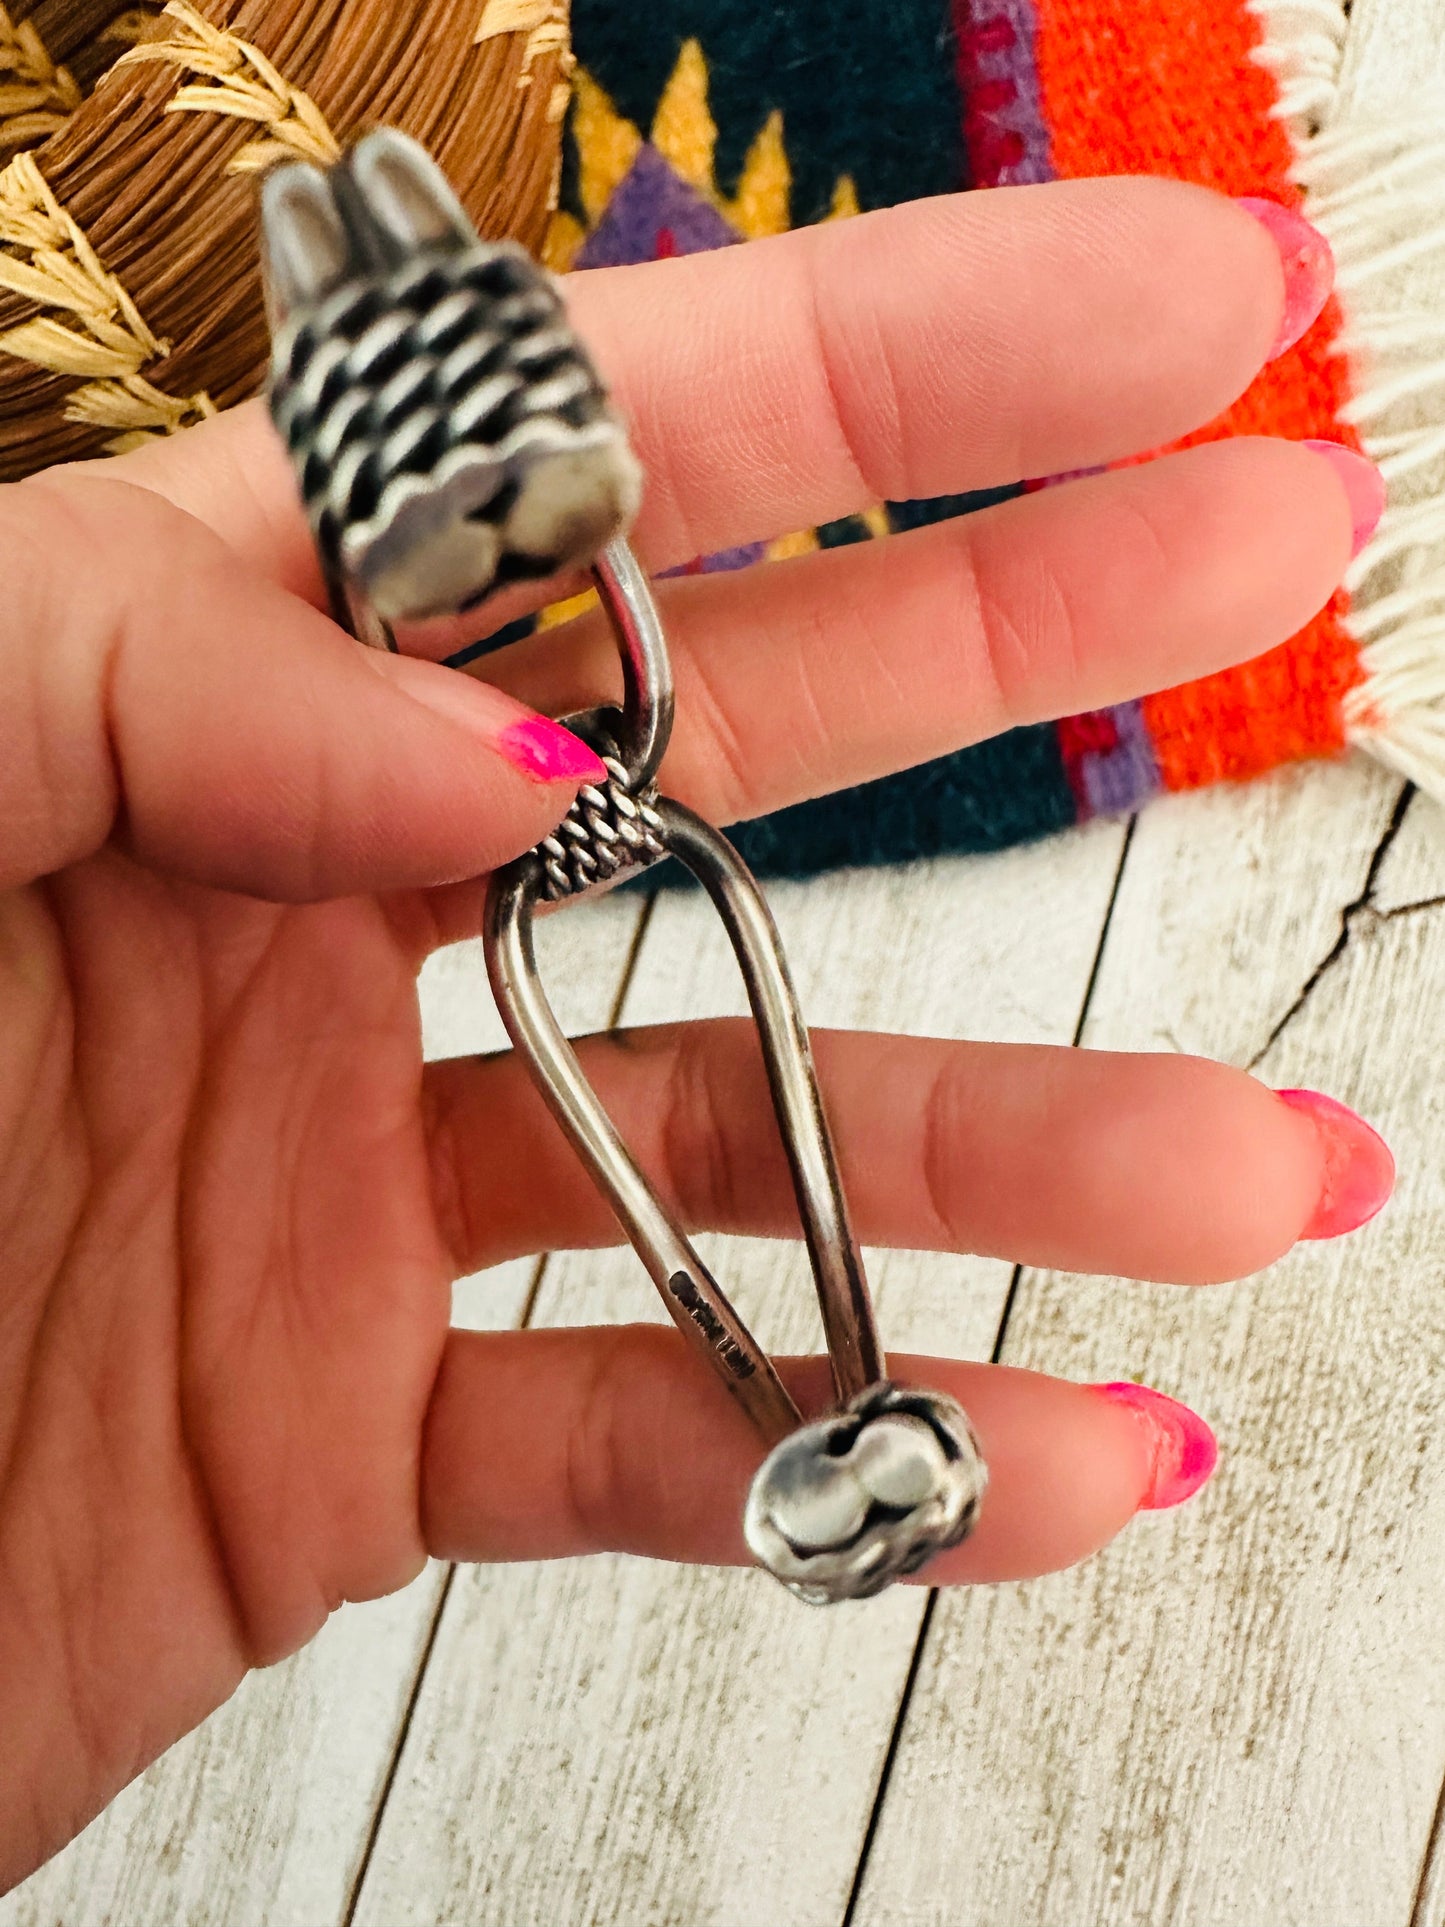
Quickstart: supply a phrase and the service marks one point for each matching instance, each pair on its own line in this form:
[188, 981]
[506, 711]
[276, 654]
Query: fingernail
[1182, 1449]
[1309, 267]
[537, 746]
[1364, 487]
[1359, 1170]
[548, 753]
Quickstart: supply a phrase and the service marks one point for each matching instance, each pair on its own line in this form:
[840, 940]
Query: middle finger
[836, 668]
[1138, 1165]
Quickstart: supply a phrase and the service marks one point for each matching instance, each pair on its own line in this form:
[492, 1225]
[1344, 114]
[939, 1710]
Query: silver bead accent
[844, 1506]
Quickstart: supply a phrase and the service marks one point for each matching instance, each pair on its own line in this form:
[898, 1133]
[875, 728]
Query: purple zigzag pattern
[655, 214]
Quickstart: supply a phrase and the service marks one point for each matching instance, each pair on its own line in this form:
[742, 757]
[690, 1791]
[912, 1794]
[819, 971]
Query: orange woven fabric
[1127, 90]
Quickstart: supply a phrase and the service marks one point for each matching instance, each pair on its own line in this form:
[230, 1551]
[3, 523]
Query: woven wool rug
[724, 121]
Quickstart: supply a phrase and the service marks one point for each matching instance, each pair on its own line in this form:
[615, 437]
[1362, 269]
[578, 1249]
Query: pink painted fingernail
[548, 753]
[1182, 1449]
[537, 746]
[1359, 1170]
[1364, 488]
[1309, 267]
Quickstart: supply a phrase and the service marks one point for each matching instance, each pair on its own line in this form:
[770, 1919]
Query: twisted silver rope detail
[608, 829]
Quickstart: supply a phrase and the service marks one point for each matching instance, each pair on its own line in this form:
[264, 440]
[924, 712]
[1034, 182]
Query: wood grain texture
[1394, 49]
[615, 1741]
[1236, 1714]
[1409, 903]
[262, 1814]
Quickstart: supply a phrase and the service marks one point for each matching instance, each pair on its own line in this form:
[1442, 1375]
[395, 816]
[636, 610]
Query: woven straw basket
[130, 145]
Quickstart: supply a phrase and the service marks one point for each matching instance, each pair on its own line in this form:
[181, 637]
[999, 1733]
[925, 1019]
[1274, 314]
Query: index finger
[948, 345]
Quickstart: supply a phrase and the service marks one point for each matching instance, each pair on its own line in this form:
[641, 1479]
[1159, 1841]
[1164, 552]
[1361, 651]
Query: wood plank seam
[353, 1901]
[895, 1738]
[1430, 1888]
[900, 1718]
[1016, 1281]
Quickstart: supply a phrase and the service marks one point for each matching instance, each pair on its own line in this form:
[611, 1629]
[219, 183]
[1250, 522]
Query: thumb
[154, 686]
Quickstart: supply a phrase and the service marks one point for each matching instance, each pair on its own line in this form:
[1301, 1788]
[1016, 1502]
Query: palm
[230, 1295]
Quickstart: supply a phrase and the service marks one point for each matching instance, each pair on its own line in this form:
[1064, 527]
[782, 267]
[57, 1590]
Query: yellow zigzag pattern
[685, 134]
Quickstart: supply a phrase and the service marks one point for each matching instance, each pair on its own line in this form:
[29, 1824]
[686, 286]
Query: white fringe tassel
[1376, 188]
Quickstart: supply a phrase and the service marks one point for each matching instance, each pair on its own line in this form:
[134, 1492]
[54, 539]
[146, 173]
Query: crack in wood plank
[1167, 1733]
[1360, 912]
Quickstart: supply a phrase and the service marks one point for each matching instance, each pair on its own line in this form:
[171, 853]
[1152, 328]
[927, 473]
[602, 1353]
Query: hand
[232, 1201]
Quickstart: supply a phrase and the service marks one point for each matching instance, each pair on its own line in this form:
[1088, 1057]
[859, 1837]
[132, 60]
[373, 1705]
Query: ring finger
[543, 1445]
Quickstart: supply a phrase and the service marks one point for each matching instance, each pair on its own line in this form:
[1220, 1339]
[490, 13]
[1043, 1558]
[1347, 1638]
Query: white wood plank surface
[663, 1745]
[260, 1817]
[1236, 1714]
[1394, 50]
